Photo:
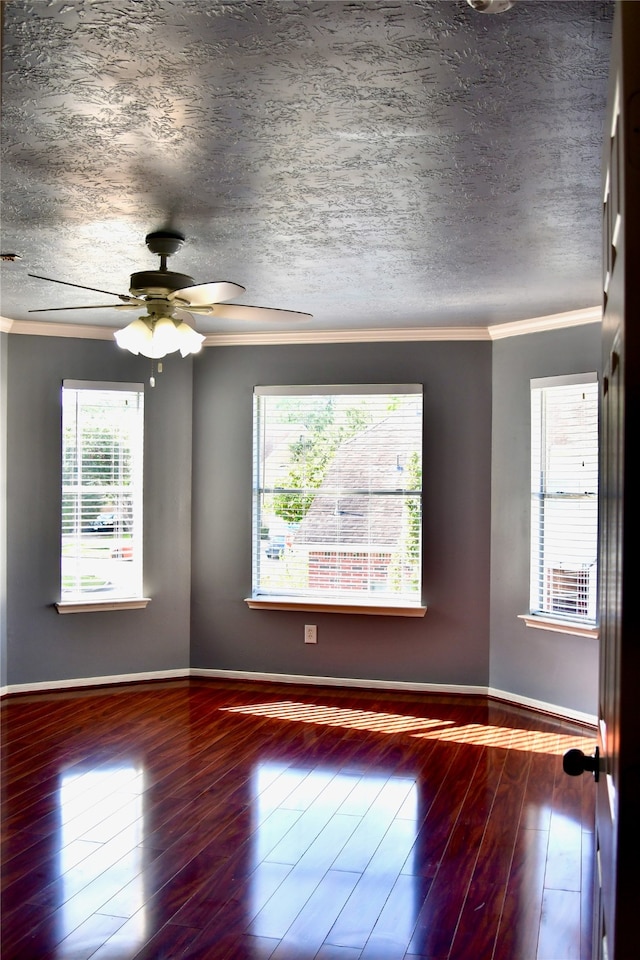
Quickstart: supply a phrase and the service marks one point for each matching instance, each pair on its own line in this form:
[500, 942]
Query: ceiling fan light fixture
[135, 337]
[165, 338]
[156, 337]
[190, 340]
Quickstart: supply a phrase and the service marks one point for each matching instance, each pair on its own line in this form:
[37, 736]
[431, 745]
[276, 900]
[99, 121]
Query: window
[102, 437]
[564, 497]
[337, 494]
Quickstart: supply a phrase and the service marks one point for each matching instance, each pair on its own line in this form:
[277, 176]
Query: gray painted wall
[43, 645]
[476, 520]
[553, 667]
[451, 643]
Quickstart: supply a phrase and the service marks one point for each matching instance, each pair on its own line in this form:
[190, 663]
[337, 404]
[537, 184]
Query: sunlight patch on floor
[479, 734]
[339, 717]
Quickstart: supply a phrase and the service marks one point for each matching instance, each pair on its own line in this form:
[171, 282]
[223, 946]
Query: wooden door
[617, 894]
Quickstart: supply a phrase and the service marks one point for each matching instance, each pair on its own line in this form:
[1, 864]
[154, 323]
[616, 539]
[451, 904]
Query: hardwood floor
[239, 821]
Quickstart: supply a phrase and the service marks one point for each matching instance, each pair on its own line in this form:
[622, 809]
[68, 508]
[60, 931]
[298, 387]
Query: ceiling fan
[170, 299]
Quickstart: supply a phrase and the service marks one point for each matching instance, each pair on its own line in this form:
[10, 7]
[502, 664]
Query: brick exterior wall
[353, 571]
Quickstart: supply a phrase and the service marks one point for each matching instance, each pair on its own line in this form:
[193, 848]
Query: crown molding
[556, 321]
[391, 335]
[41, 328]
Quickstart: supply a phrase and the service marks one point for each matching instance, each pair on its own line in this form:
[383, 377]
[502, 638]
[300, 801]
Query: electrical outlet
[310, 633]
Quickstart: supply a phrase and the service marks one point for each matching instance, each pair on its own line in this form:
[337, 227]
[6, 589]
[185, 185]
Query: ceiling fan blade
[202, 294]
[95, 306]
[238, 311]
[183, 315]
[125, 297]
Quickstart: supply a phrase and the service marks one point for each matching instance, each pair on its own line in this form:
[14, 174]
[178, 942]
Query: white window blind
[338, 492]
[564, 497]
[102, 450]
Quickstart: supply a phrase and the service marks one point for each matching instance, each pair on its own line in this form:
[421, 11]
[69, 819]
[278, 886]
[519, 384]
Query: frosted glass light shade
[156, 338]
[165, 337]
[134, 337]
[190, 340]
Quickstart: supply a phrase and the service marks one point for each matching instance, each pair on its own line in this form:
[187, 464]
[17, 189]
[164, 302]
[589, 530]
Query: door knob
[576, 762]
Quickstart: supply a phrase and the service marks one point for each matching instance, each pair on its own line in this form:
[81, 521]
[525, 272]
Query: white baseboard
[52, 685]
[563, 713]
[364, 684]
[337, 681]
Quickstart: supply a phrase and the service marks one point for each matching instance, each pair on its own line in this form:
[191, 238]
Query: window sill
[98, 606]
[558, 626]
[324, 606]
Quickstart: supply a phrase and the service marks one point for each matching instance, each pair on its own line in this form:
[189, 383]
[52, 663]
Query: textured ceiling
[377, 164]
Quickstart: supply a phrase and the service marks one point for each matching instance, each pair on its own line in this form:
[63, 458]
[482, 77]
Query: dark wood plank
[479, 921]
[246, 821]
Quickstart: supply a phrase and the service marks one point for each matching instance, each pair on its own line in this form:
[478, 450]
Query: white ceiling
[382, 165]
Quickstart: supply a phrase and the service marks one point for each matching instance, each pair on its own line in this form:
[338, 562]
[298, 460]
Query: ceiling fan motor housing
[162, 282]
[164, 243]
[158, 283]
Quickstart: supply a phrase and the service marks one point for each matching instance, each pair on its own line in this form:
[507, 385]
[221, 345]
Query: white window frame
[563, 591]
[121, 543]
[318, 599]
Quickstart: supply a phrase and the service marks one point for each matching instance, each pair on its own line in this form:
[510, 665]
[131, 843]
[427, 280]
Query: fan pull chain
[152, 379]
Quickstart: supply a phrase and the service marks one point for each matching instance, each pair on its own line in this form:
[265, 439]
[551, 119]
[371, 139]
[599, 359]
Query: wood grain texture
[246, 821]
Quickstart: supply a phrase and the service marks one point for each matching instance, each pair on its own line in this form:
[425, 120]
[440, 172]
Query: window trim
[326, 604]
[263, 602]
[100, 604]
[542, 620]
[96, 606]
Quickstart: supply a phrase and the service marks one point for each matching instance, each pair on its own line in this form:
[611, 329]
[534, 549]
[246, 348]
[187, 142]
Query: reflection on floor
[101, 832]
[357, 832]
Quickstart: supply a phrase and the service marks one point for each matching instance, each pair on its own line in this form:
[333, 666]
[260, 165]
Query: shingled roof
[343, 511]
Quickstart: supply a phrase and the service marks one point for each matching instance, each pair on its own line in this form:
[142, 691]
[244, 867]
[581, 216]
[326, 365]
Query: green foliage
[106, 458]
[313, 453]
